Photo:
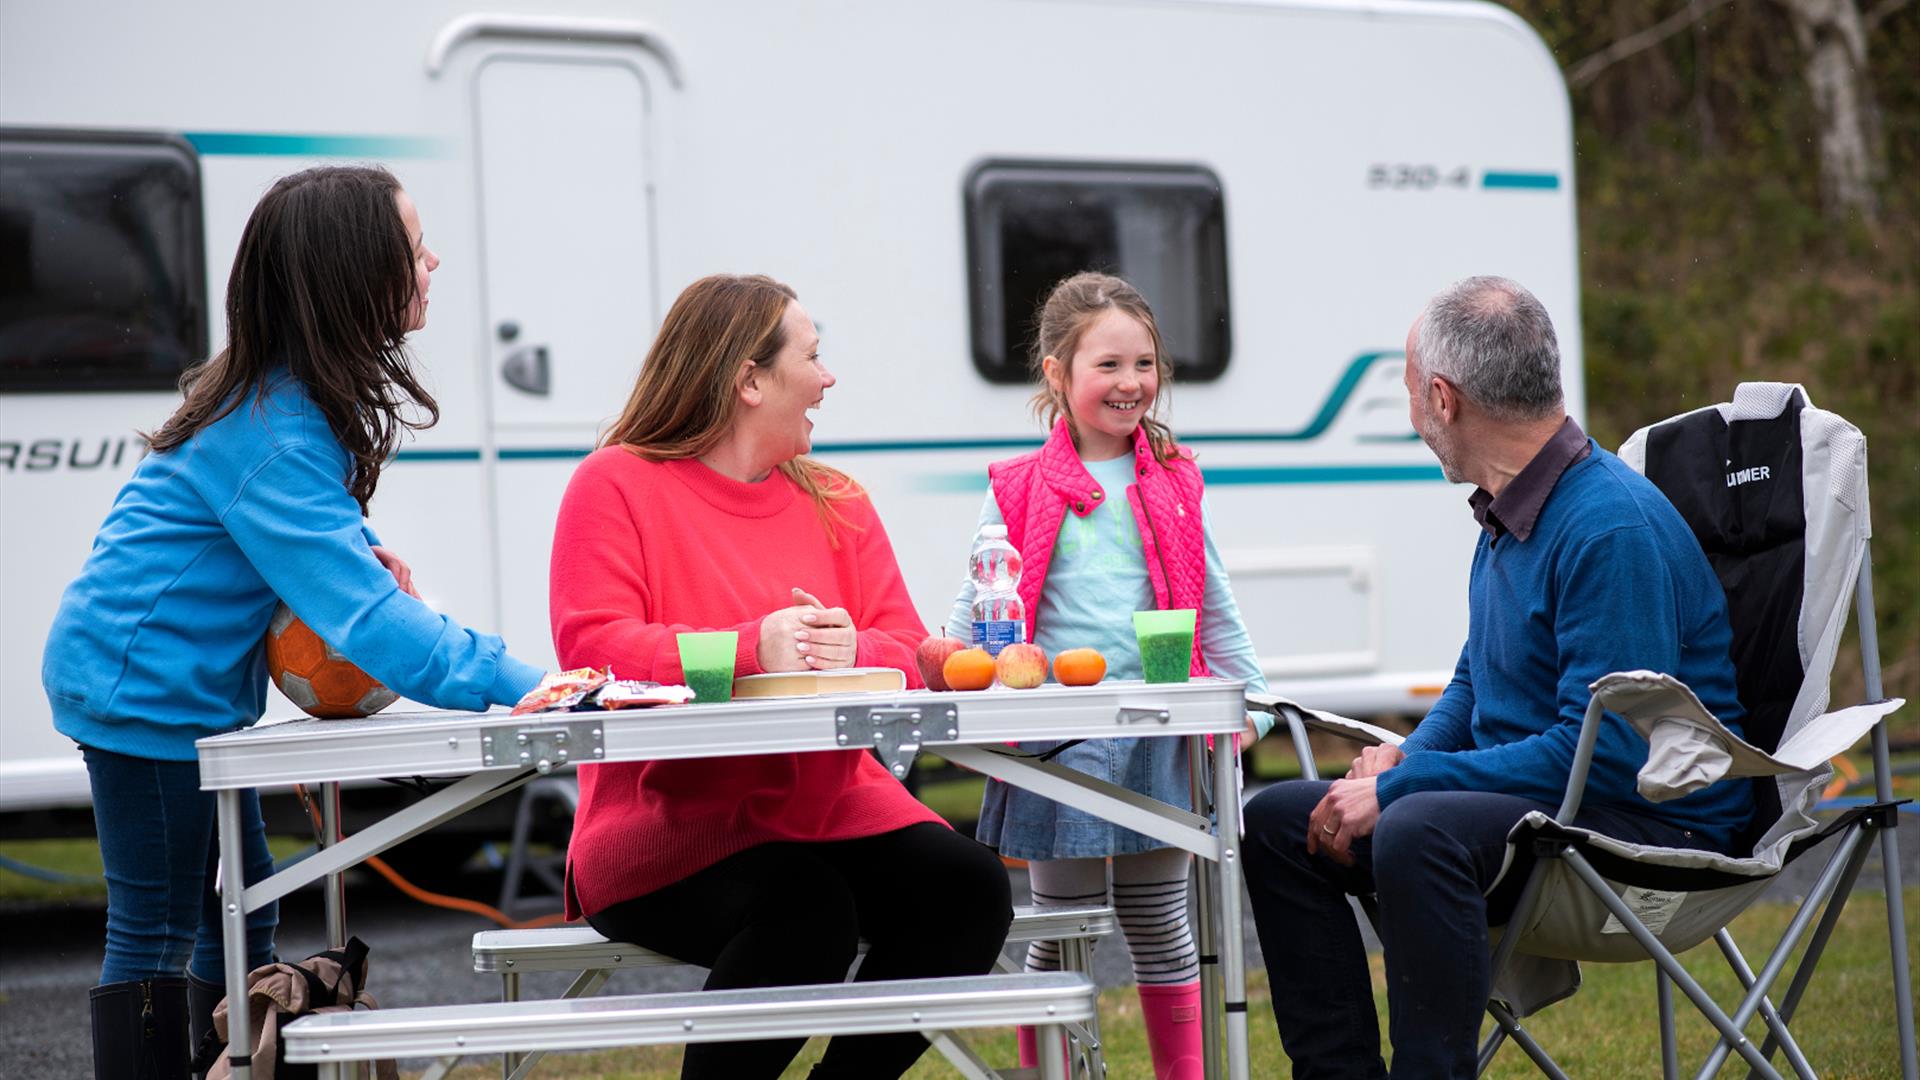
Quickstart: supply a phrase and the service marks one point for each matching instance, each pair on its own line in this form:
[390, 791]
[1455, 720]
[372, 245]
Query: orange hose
[457, 903]
[1845, 772]
[434, 899]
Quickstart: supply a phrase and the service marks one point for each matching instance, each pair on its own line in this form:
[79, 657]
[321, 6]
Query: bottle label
[996, 634]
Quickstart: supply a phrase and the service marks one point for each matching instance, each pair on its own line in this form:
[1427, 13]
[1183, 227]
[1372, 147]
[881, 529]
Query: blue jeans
[159, 847]
[1428, 863]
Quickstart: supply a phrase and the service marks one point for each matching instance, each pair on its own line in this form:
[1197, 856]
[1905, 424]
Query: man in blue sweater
[1582, 568]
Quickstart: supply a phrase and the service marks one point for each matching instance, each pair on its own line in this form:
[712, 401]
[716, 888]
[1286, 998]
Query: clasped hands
[808, 636]
[1351, 807]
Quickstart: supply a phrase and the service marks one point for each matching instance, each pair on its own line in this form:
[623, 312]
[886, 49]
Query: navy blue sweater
[1610, 579]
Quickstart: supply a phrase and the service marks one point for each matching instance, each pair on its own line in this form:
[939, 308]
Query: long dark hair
[324, 283]
[685, 400]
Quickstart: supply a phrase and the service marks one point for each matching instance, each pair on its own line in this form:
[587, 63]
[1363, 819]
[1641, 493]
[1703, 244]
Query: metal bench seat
[581, 948]
[1048, 1001]
[512, 953]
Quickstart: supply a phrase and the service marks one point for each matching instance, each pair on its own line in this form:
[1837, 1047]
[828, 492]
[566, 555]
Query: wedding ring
[1328, 829]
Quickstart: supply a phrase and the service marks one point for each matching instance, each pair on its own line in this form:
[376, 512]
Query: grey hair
[1492, 338]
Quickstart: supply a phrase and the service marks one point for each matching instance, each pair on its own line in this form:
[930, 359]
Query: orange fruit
[968, 669]
[1079, 667]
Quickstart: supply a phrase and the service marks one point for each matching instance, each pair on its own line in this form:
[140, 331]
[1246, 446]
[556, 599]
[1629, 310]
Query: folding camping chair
[1776, 491]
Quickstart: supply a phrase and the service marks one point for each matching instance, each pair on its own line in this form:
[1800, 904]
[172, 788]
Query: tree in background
[1748, 212]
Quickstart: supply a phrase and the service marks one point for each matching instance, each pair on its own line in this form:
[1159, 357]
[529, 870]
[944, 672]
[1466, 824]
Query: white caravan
[1287, 182]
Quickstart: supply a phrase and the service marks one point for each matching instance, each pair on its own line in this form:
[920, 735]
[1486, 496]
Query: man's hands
[1347, 813]
[1375, 760]
[809, 636]
[1351, 806]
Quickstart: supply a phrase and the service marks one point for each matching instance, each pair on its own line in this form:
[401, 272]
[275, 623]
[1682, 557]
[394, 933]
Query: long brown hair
[1070, 308]
[685, 400]
[323, 283]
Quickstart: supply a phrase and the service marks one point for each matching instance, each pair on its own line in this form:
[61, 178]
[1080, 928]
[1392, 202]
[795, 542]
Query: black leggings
[928, 901]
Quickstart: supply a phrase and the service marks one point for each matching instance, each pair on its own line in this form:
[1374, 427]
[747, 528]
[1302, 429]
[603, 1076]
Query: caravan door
[569, 297]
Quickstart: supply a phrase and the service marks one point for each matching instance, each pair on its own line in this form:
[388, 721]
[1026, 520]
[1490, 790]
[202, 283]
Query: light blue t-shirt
[1098, 578]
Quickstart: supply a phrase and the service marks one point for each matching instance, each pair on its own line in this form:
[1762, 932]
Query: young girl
[255, 491]
[1109, 519]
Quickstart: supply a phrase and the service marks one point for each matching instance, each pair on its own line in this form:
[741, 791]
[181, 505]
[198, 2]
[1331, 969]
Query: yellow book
[811, 683]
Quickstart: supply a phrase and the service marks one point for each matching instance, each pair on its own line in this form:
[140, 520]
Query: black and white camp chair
[1776, 492]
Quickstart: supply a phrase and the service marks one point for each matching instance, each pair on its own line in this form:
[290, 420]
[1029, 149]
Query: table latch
[895, 731]
[1140, 714]
[544, 745]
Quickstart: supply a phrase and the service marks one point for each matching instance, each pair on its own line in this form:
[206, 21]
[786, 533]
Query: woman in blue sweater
[255, 491]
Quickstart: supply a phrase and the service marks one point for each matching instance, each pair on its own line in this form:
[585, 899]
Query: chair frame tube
[1889, 843]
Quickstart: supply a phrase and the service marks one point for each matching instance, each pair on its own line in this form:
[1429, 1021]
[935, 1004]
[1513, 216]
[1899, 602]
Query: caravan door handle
[528, 370]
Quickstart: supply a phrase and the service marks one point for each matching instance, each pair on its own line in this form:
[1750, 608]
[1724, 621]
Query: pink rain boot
[1172, 1014]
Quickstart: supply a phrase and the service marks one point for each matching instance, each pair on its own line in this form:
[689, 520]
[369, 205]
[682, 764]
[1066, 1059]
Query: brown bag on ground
[282, 992]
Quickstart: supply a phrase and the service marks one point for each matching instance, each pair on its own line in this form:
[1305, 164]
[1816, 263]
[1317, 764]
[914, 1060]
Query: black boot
[140, 1029]
[201, 998]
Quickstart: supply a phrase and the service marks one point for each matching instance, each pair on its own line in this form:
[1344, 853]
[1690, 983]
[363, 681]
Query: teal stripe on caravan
[1244, 475]
[977, 481]
[437, 455]
[1323, 474]
[1521, 181]
[884, 447]
[263, 144]
[539, 453]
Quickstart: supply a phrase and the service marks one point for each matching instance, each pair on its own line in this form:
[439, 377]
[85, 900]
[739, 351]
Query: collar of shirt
[1518, 505]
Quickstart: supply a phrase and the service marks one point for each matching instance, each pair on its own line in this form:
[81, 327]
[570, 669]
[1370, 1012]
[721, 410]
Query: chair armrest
[1319, 720]
[1689, 748]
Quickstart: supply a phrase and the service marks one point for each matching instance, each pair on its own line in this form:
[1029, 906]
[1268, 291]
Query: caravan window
[1163, 228]
[102, 276]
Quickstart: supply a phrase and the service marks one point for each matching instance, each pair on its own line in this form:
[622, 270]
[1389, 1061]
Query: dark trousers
[159, 849]
[928, 901]
[1430, 859]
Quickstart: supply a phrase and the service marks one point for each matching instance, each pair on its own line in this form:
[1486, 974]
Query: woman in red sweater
[699, 512]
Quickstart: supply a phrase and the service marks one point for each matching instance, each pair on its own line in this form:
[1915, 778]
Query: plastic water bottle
[999, 618]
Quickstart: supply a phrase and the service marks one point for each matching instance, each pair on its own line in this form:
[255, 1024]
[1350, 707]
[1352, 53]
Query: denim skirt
[1022, 825]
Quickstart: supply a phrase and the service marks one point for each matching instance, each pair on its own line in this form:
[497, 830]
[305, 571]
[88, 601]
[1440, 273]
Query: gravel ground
[49, 957]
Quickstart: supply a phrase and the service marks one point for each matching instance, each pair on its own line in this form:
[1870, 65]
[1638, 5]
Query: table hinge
[895, 731]
[1136, 714]
[544, 745]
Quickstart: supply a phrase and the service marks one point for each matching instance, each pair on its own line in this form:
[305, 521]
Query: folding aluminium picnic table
[493, 753]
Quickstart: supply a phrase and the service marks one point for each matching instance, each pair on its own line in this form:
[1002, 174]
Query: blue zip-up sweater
[159, 640]
[1610, 579]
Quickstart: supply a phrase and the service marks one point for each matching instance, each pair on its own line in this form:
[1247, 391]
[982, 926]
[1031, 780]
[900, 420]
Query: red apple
[931, 657]
[1021, 666]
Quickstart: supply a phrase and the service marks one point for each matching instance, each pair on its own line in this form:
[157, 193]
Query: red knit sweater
[644, 550]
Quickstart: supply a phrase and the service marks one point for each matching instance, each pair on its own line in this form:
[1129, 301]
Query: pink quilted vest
[1036, 491]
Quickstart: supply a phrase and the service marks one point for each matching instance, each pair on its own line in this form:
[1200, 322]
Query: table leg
[1206, 932]
[336, 894]
[336, 886]
[1051, 1039]
[1233, 940]
[233, 935]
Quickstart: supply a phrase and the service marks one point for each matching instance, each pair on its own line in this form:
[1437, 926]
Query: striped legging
[1149, 893]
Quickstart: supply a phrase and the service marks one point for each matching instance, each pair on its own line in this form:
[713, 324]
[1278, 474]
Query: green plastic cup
[706, 660]
[1166, 644]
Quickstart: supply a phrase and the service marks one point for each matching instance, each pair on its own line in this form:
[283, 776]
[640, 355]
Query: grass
[1608, 1029]
[78, 858]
